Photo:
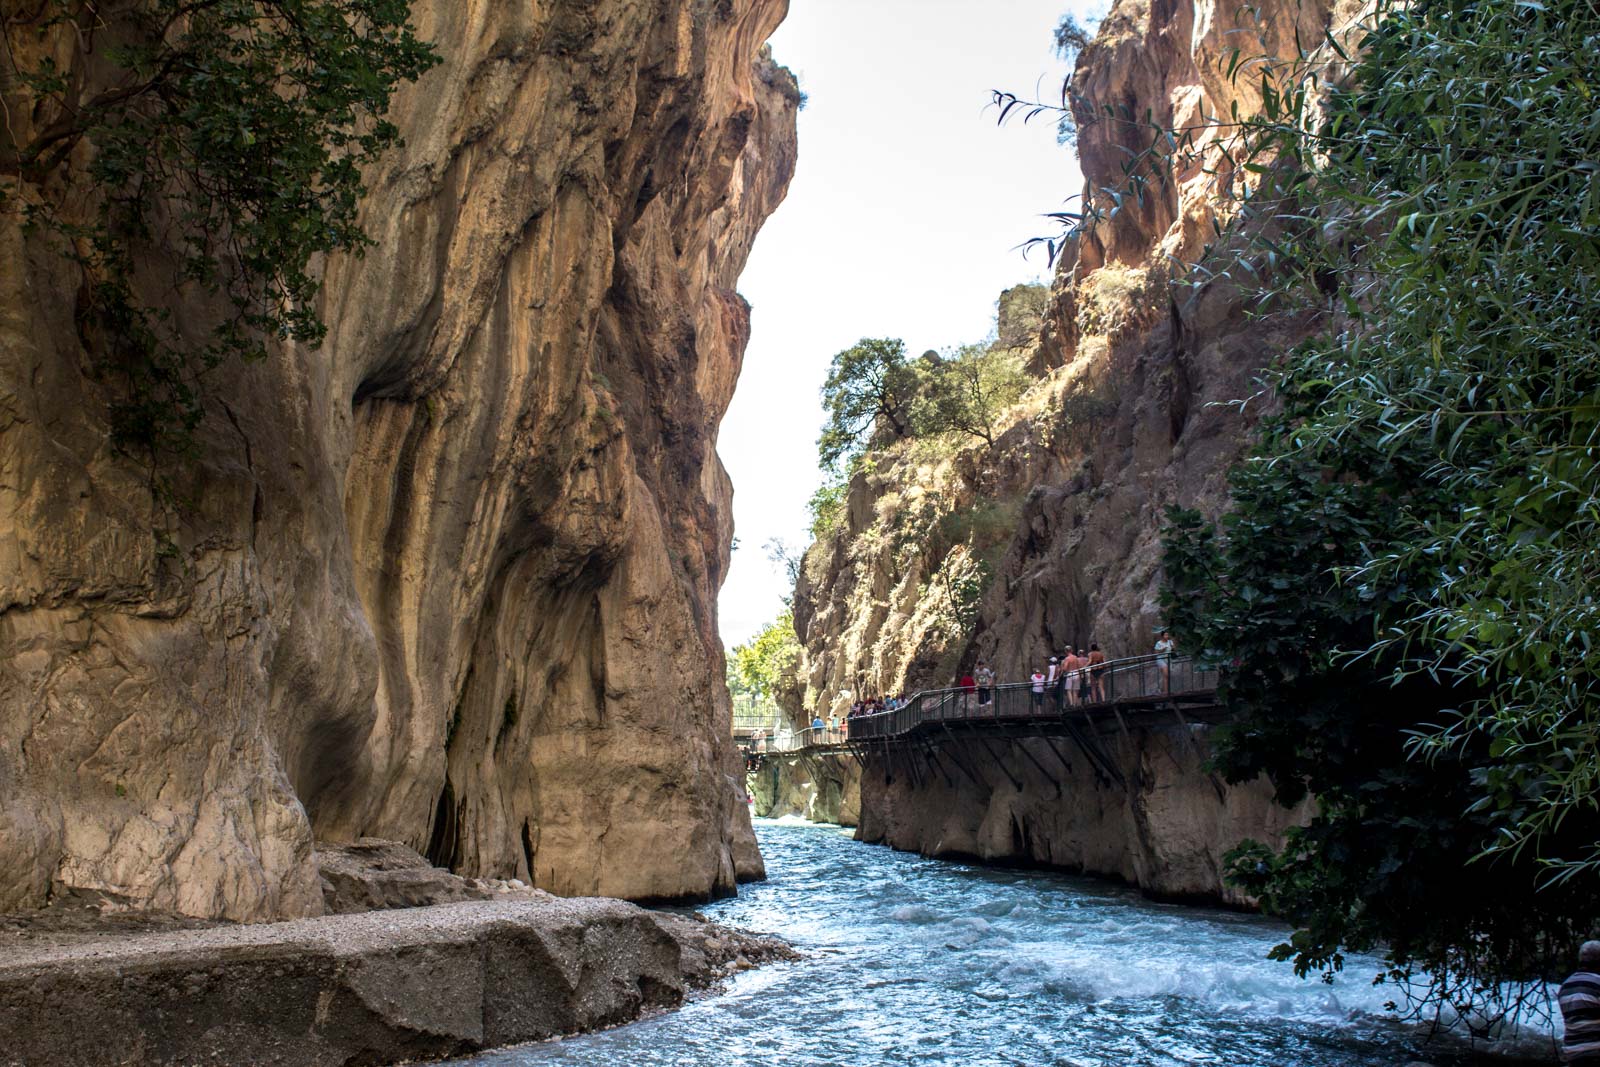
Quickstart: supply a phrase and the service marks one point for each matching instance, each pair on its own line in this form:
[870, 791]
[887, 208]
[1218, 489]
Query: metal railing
[794, 741]
[1115, 682]
[1118, 682]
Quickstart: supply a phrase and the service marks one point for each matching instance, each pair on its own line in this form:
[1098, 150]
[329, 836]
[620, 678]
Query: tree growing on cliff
[867, 398]
[968, 391]
[228, 141]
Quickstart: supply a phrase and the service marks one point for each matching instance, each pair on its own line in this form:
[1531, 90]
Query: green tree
[766, 664]
[228, 142]
[867, 398]
[1019, 314]
[1403, 593]
[969, 391]
[827, 507]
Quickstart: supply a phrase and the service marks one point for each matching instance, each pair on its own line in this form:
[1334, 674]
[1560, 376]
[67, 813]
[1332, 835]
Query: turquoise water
[916, 961]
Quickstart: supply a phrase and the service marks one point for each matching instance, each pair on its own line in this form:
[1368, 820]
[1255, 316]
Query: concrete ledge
[374, 988]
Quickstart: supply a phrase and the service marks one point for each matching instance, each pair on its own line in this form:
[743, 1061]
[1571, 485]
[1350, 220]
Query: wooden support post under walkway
[932, 755]
[1188, 732]
[1091, 748]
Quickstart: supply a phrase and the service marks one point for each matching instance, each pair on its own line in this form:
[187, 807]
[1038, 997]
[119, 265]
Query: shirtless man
[1070, 666]
[1097, 674]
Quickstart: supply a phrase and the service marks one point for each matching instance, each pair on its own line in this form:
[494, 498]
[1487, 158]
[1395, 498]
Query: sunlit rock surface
[1165, 827]
[451, 578]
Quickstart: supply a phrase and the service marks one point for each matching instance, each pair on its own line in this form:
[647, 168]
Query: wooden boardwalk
[1123, 695]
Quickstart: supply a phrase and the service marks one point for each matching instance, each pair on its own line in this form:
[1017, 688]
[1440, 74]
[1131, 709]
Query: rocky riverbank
[392, 975]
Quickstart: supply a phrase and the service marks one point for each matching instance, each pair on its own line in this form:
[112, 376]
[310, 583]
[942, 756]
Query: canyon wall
[1145, 394]
[948, 551]
[1165, 828]
[825, 787]
[450, 578]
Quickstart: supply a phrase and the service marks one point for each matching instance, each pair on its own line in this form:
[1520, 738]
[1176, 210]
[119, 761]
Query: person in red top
[967, 687]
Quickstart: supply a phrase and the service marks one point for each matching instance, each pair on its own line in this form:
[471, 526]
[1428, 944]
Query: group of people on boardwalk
[831, 729]
[1076, 677]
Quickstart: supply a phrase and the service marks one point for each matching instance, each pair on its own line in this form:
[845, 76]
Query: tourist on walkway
[1083, 677]
[967, 687]
[1164, 649]
[817, 726]
[1580, 1008]
[1053, 679]
[1097, 673]
[760, 739]
[985, 684]
[1038, 679]
[1070, 666]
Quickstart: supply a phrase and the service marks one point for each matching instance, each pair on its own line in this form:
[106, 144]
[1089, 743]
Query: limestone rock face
[1164, 829]
[1049, 536]
[820, 788]
[449, 579]
[390, 987]
[1141, 403]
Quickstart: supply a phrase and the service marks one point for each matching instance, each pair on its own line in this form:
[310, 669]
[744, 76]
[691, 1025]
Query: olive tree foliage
[1404, 594]
[227, 145]
[867, 398]
[968, 391]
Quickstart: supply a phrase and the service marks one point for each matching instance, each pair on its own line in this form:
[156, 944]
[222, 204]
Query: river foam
[916, 961]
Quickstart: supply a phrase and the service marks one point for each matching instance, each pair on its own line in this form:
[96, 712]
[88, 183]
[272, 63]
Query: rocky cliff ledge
[451, 578]
[821, 788]
[374, 988]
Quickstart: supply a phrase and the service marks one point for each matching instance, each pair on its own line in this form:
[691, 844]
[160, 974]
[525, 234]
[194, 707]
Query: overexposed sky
[903, 221]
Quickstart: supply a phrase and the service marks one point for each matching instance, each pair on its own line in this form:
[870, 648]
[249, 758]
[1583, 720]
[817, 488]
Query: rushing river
[916, 961]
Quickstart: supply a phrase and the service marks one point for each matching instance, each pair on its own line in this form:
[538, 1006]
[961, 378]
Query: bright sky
[903, 221]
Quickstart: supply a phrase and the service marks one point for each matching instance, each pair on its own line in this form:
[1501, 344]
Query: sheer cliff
[449, 578]
[947, 552]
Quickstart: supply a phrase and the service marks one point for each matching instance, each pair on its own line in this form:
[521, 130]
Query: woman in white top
[1164, 649]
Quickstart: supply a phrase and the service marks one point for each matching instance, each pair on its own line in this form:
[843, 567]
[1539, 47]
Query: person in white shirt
[1038, 680]
[1164, 649]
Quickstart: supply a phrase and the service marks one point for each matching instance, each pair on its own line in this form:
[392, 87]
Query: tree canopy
[235, 130]
[1403, 595]
[968, 391]
[866, 397]
[765, 665]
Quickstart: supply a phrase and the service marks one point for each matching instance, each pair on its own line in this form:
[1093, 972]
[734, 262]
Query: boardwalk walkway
[1126, 693]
